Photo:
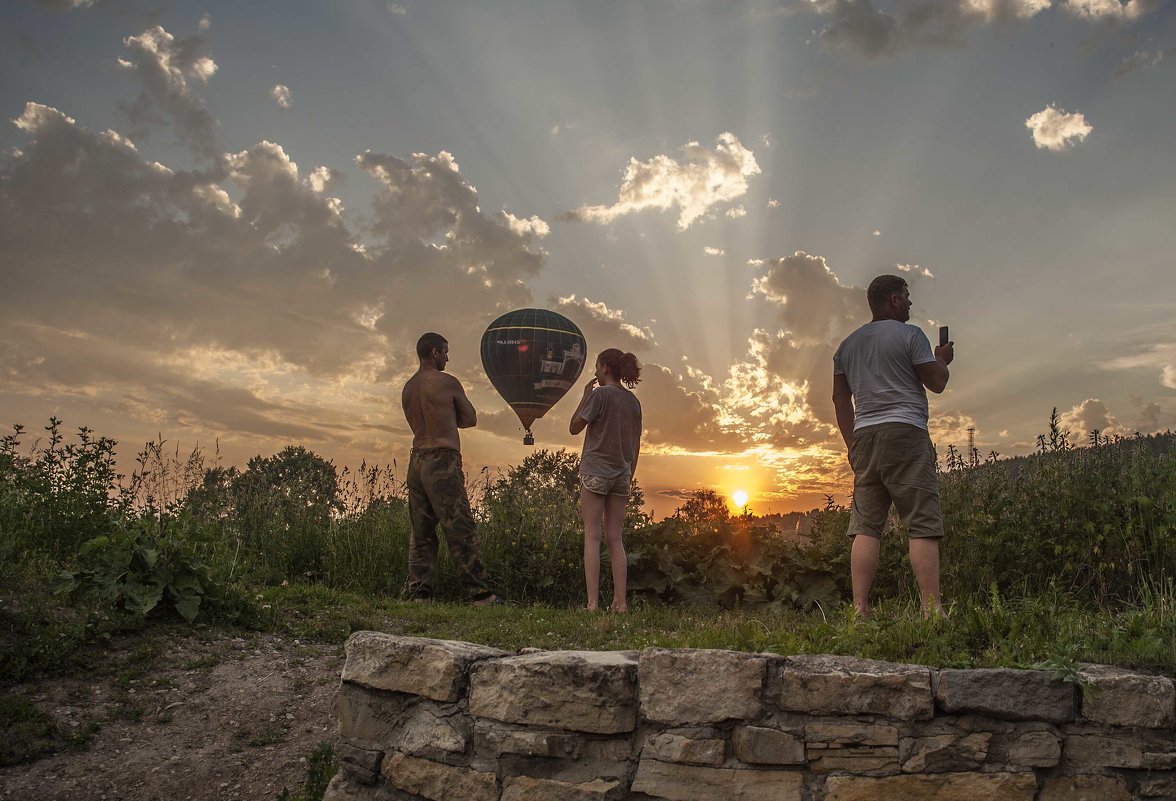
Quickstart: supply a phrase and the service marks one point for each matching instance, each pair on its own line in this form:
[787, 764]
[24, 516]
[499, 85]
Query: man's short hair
[428, 343]
[882, 287]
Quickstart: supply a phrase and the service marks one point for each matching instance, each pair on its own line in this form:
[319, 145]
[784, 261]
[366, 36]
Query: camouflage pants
[437, 494]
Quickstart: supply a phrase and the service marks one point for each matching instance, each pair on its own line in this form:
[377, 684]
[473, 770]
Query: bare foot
[489, 600]
[620, 610]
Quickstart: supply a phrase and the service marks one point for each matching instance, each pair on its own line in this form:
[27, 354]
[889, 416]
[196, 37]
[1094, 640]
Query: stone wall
[451, 721]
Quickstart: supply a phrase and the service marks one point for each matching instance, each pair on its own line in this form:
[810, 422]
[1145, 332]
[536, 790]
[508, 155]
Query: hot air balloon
[532, 356]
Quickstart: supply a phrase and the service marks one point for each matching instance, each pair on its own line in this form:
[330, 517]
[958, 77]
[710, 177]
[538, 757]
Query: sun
[740, 498]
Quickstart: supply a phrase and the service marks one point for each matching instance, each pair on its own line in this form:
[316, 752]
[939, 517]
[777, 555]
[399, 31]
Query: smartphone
[943, 338]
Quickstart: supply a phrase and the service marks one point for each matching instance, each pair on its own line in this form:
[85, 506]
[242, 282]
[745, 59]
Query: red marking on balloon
[523, 347]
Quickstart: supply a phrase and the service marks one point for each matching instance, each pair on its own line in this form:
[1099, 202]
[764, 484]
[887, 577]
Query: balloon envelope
[532, 356]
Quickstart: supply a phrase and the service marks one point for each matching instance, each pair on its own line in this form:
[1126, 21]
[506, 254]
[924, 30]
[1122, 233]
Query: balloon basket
[528, 438]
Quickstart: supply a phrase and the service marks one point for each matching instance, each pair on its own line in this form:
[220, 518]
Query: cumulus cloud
[171, 73]
[1099, 10]
[236, 298]
[693, 182]
[914, 268]
[533, 227]
[683, 414]
[604, 327]
[710, 251]
[322, 178]
[814, 305]
[735, 212]
[1089, 416]
[871, 30]
[1054, 129]
[398, 9]
[281, 95]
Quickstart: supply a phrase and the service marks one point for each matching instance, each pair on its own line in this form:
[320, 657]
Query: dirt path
[180, 717]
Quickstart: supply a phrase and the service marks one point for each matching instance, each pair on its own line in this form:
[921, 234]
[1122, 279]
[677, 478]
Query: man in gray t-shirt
[880, 376]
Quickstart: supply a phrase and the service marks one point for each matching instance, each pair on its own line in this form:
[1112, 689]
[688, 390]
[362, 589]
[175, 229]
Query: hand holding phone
[946, 349]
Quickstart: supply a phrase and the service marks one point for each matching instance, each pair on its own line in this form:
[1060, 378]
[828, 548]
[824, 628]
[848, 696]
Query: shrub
[137, 568]
[704, 555]
[57, 496]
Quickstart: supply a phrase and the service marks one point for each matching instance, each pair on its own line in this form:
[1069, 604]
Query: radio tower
[972, 455]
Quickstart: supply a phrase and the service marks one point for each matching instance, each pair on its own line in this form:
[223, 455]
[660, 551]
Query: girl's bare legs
[614, 520]
[592, 506]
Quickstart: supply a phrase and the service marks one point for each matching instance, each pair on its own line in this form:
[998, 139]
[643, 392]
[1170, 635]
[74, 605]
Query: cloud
[681, 414]
[1089, 416]
[1138, 61]
[1054, 129]
[397, 9]
[1160, 357]
[814, 305]
[65, 5]
[773, 203]
[170, 72]
[603, 327]
[236, 298]
[1101, 10]
[710, 251]
[871, 31]
[860, 30]
[281, 95]
[914, 268]
[735, 212]
[698, 179]
[322, 178]
[533, 227]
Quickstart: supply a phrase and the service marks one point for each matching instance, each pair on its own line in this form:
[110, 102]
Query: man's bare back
[436, 406]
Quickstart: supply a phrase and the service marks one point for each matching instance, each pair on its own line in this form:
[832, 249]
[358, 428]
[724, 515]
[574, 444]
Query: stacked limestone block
[448, 721]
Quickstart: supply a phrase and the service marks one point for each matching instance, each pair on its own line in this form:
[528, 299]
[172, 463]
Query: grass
[27, 733]
[989, 632]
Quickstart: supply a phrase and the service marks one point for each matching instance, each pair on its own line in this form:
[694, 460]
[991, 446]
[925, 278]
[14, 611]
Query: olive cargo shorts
[894, 462]
[437, 494]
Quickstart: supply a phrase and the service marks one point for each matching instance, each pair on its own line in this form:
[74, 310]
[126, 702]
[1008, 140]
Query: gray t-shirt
[879, 362]
[613, 438]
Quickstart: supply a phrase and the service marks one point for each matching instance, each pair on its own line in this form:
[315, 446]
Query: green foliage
[1096, 522]
[58, 495]
[136, 569]
[320, 769]
[279, 509]
[531, 529]
[703, 555]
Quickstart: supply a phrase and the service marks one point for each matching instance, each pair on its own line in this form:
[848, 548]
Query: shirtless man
[436, 406]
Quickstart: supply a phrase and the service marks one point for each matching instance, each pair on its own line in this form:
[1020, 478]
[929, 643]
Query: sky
[226, 224]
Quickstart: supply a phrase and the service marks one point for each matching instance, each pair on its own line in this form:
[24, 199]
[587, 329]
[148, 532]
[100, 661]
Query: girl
[612, 415]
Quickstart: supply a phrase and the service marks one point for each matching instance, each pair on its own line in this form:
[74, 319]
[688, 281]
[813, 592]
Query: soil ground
[200, 718]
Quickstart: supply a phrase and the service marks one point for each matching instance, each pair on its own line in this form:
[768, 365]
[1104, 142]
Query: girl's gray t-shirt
[613, 438]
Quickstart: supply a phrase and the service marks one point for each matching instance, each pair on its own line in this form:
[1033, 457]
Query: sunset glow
[228, 228]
